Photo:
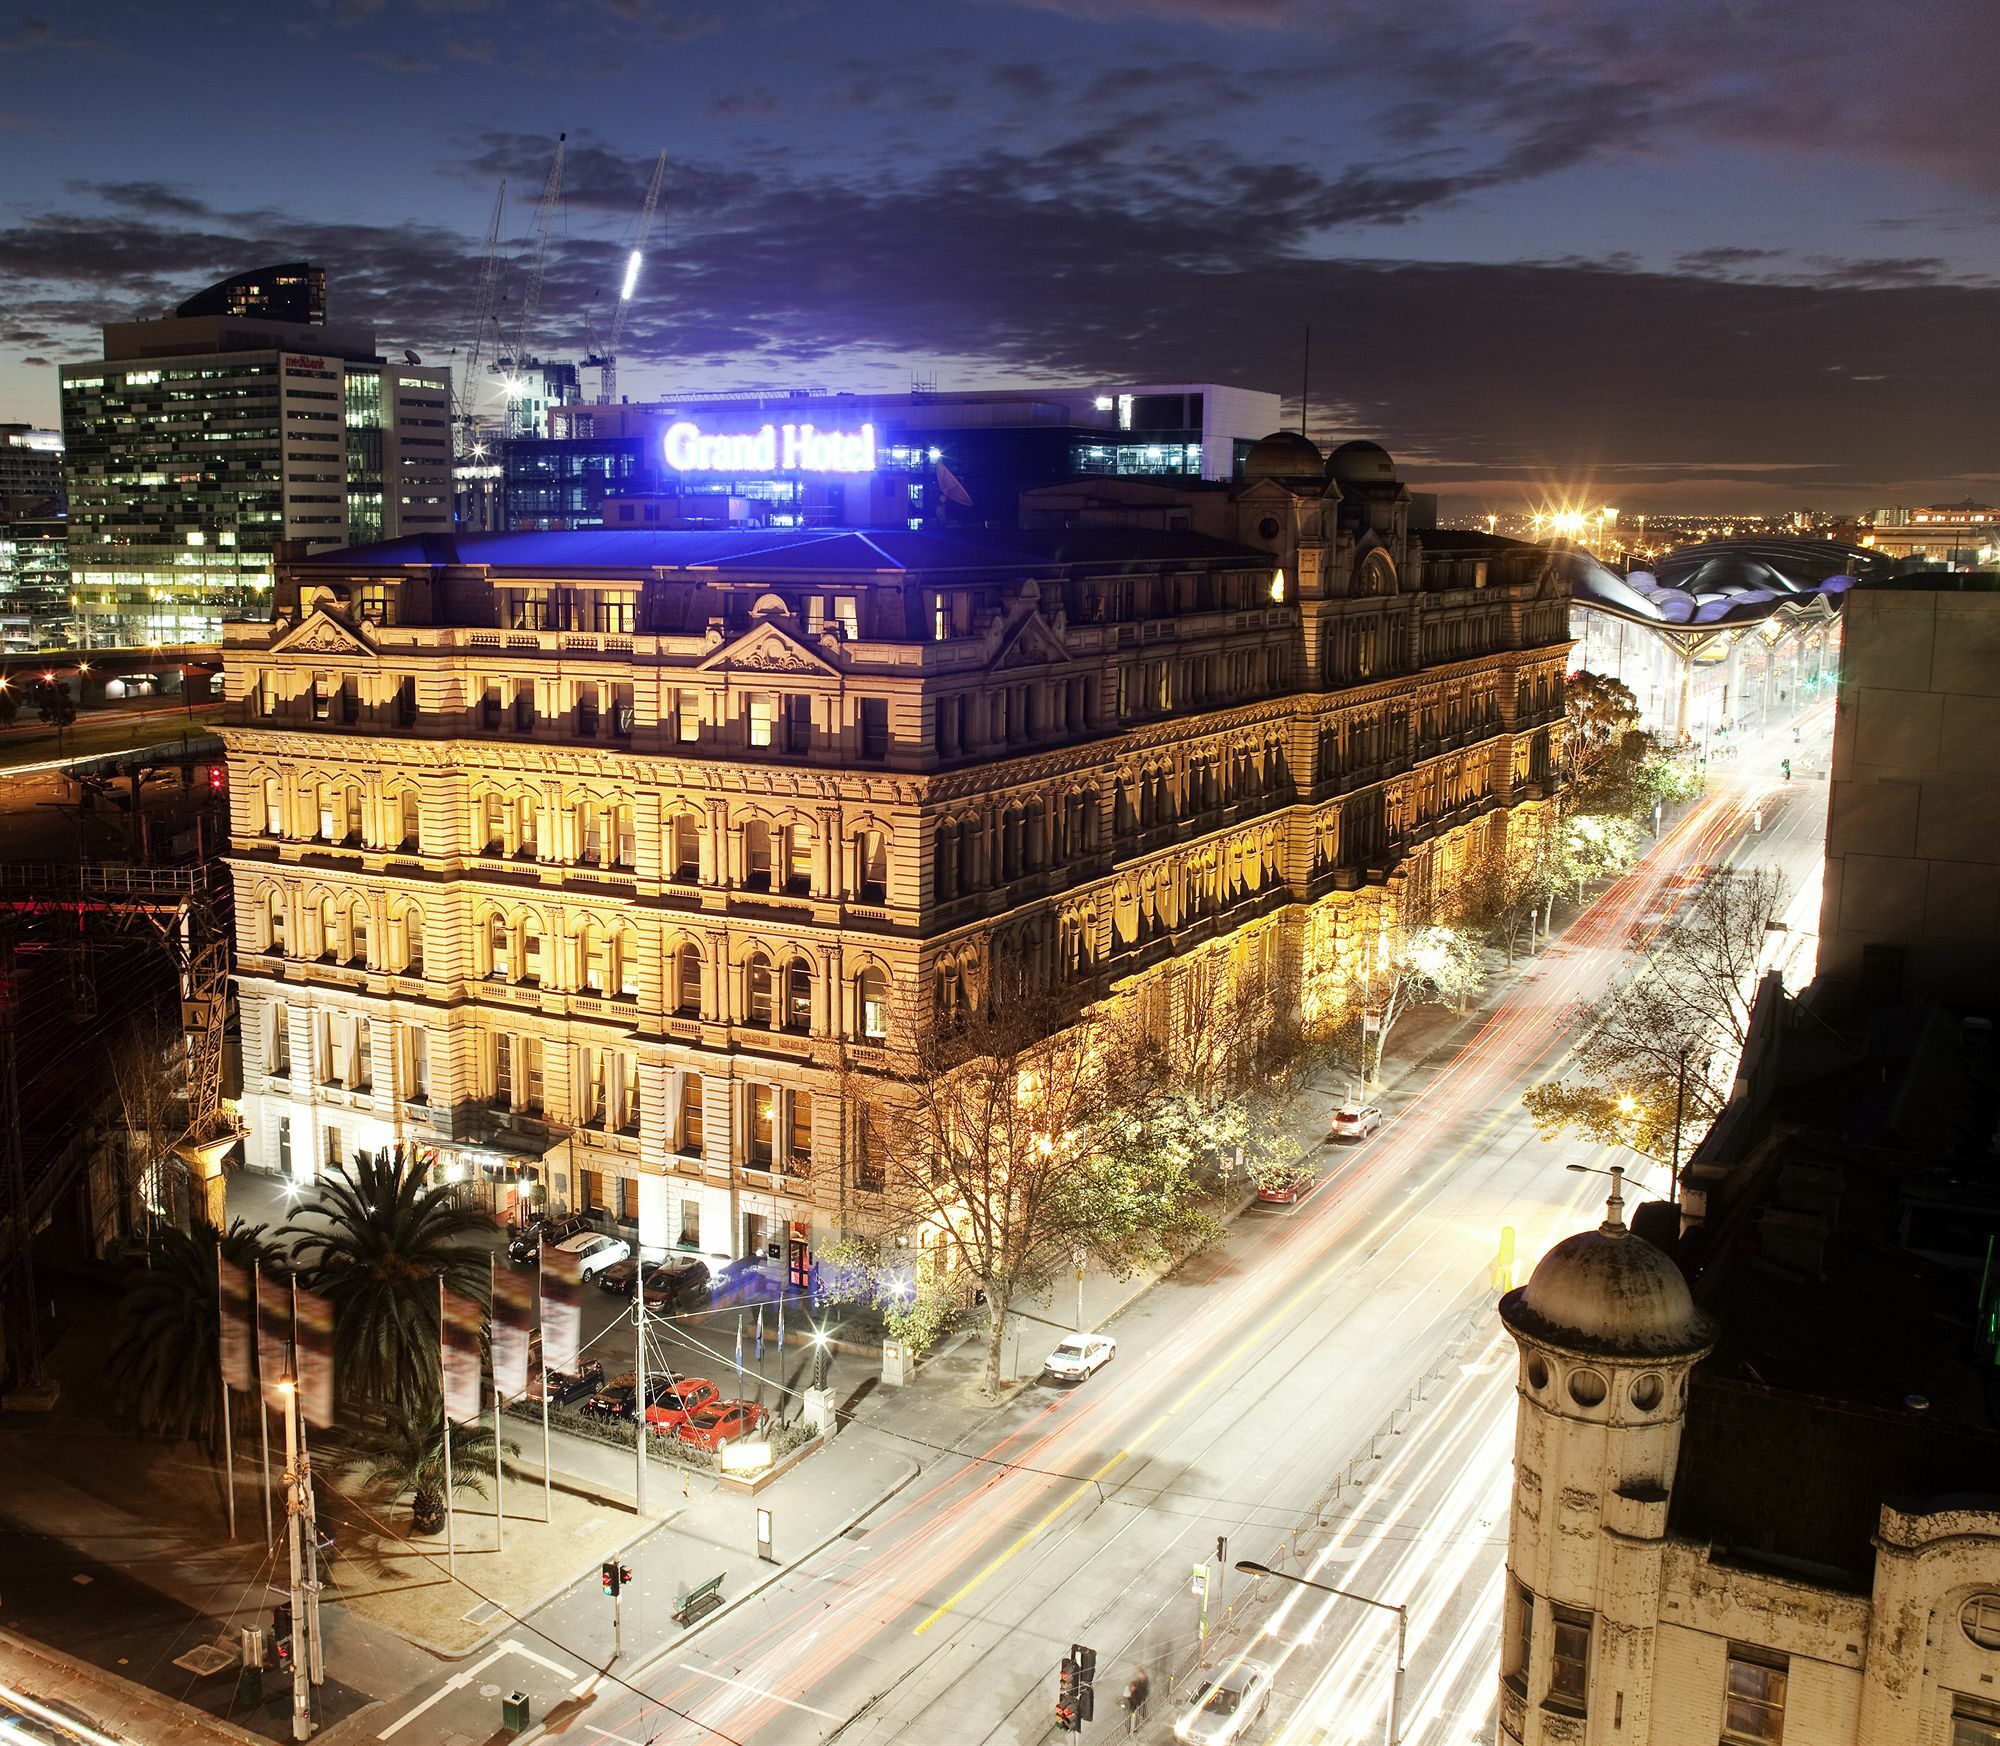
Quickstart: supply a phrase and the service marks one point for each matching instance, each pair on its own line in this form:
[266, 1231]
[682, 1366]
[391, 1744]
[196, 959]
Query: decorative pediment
[764, 648]
[1031, 643]
[320, 633]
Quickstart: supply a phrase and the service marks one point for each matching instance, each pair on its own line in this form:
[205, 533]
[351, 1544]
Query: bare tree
[148, 1072]
[1643, 1072]
[1007, 1146]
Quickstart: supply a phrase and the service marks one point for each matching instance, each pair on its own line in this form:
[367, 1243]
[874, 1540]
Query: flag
[274, 1335]
[460, 1320]
[513, 1322]
[237, 1296]
[760, 1333]
[562, 1308]
[739, 1351]
[314, 1332]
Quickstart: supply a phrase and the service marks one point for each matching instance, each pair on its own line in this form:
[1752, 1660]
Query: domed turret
[1609, 1293]
[1286, 456]
[1361, 462]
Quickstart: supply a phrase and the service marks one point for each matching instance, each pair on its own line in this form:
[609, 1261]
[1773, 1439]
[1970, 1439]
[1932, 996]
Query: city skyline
[1669, 258]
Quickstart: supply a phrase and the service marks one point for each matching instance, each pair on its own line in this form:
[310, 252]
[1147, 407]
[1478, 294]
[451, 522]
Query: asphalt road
[1242, 1386]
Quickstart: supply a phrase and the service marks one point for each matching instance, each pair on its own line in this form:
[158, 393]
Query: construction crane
[545, 222]
[607, 390]
[482, 316]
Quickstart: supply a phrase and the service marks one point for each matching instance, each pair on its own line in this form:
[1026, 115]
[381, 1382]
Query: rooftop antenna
[1305, 382]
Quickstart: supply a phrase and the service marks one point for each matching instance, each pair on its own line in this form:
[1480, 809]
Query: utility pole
[639, 1404]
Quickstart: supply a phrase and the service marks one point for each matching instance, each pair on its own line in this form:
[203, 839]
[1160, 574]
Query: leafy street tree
[917, 1299]
[406, 1453]
[55, 705]
[162, 1362]
[1006, 1143]
[1645, 1066]
[1601, 711]
[373, 1240]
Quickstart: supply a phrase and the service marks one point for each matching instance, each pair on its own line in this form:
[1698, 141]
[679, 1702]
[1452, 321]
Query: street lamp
[1250, 1567]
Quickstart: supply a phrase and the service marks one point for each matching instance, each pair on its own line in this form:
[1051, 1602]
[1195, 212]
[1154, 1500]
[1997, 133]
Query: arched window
[409, 823]
[329, 931]
[687, 981]
[944, 862]
[357, 931]
[798, 859]
[406, 941]
[687, 847]
[871, 1000]
[757, 990]
[326, 802]
[350, 814]
[871, 857]
[499, 948]
[757, 856]
[274, 919]
[493, 825]
[596, 955]
[622, 962]
[274, 807]
[530, 967]
[798, 995]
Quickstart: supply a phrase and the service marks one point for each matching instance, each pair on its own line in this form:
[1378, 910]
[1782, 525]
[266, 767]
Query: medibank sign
[777, 448]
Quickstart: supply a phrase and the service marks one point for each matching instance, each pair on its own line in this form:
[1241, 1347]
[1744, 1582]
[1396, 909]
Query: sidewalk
[114, 1704]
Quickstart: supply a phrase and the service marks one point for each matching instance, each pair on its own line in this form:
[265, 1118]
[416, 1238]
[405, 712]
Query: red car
[680, 1403]
[1286, 1194]
[720, 1422]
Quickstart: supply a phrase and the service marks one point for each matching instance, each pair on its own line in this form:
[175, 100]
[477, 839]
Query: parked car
[1289, 1193]
[547, 1230]
[1354, 1122]
[670, 1285]
[679, 1403]
[594, 1251]
[615, 1399]
[720, 1422]
[566, 1388]
[749, 1280]
[1225, 1704]
[1079, 1355]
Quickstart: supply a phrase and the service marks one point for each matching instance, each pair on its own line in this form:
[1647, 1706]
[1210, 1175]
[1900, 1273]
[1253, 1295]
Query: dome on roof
[1361, 462]
[1610, 1293]
[1284, 454]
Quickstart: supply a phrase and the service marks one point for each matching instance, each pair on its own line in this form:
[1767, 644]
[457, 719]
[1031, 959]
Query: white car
[1225, 1704]
[597, 1251]
[1354, 1122]
[1079, 1355]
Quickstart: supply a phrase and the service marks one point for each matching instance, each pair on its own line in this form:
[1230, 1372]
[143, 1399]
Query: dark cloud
[1724, 260]
[157, 198]
[748, 105]
[35, 32]
[37, 363]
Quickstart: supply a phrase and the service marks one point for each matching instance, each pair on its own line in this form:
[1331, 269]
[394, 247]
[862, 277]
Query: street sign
[1199, 1583]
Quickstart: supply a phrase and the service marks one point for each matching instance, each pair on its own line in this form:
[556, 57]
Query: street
[1243, 1385]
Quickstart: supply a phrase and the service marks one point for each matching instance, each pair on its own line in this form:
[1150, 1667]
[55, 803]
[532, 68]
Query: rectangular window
[1753, 1703]
[274, 807]
[590, 1104]
[691, 1094]
[322, 696]
[687, 717]
[336, 1150]
[622, 712]
[798, 860]
[847, 614]
[690, 1224]
[763, 713]
[875, 728]
[285, 1145]
[503, 1072]
[871, 1166]
[763, 1102]
[1569, 1668]
[489, 706]
[531, 1075]
[278, 1055]
[872, 857]
[267, 694]
[798, 723]
[800, 1152]
[417, 1064]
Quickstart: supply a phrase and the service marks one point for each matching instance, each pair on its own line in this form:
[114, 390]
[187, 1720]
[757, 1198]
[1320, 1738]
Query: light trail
[962, 1528]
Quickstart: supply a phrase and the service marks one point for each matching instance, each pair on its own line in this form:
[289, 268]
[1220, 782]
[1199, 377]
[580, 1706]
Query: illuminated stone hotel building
[597, 862]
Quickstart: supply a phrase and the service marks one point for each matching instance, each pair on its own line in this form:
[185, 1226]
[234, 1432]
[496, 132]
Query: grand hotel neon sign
[777, 448]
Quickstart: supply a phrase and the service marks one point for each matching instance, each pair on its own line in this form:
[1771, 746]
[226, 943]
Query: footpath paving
[34, 1681]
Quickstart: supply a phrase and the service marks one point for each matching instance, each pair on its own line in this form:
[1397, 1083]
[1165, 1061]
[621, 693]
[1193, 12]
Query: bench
[694, 1603]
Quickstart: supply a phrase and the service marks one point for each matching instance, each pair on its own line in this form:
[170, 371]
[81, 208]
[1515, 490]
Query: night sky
[1655, 253]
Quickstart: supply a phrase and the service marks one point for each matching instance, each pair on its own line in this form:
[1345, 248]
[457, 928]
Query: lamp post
[1250, 1567]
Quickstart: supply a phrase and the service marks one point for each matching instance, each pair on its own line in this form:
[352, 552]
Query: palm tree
[409, 1454]
[374, 1241]
[163, 1359]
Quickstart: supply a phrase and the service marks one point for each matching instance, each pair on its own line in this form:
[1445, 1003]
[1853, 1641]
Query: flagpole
[499, 1493]
[222, 1376]
[548, 1485]
[444, 1408]
[639, 1406]
[264, 1437]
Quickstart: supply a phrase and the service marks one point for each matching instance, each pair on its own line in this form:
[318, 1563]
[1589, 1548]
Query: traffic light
[624, 1574]
[1068, 1719]
[1085, 1659]
[612, 1576]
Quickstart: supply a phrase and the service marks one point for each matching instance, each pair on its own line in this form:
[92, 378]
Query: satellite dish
[410, 357]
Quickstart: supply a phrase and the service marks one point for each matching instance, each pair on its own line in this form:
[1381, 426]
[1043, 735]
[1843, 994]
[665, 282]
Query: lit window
[763, 713]
[1753, 1708]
